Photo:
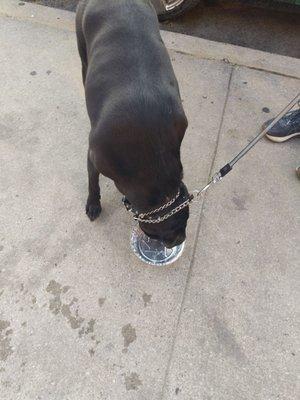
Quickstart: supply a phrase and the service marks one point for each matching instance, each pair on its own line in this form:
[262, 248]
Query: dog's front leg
[93, 205]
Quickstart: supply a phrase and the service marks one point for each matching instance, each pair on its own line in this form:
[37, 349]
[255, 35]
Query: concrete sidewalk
[80, 317]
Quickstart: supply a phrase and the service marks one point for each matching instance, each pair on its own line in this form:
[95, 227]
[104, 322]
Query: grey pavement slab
[238, 336]
[81, 317]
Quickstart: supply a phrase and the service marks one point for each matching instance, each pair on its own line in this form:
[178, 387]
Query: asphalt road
[274, 29]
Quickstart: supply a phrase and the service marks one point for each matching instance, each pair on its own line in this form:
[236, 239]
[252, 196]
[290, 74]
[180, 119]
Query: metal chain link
[166, 216]
[163, 207]
[141, 217]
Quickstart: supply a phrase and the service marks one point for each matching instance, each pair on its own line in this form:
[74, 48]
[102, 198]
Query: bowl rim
[134, 245]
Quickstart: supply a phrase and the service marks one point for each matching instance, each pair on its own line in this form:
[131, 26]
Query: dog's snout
[176, 241]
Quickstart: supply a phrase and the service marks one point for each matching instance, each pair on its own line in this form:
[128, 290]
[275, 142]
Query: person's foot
[286, 128]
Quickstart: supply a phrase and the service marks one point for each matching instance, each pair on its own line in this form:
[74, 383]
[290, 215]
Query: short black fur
[135, 110]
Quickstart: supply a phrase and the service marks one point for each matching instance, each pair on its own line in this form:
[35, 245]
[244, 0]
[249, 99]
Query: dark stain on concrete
[1, 293]
[92, 352]
[56, 305]
[74, 320]
[147, 299]
[81, 332]
[266, 110]
[177, 391]
[239, 203]
[33, 299]
[95, 340]
[1, 248]
[48, 72]
[6, 384]
[5, 347]
[33, 73]
[129, 336]
[101, 301]
[54, 288]
[132, 381]
[90, 327]
[227, 341]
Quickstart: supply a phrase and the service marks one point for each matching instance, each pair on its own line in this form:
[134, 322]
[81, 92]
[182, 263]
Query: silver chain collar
[165, 216]
[163, 207]
[146, 217]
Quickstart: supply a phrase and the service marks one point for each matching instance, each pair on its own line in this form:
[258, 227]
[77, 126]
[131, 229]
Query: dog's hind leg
[93, 204]
[81, 44]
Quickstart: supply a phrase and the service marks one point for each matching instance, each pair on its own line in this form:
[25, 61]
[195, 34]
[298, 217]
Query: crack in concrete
[196, 240]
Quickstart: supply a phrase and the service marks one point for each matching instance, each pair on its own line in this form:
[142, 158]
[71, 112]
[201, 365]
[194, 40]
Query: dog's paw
[93, 210]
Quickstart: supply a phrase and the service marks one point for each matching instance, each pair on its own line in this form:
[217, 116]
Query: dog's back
[126, 61]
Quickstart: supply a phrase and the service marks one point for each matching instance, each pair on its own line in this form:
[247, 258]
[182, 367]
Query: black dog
[136, 114]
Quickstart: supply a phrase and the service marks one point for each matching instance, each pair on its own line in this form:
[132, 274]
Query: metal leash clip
[215, 179]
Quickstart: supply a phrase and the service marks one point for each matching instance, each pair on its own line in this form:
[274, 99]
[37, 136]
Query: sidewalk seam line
[196, 239]
[36, 22]
[202, 57]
